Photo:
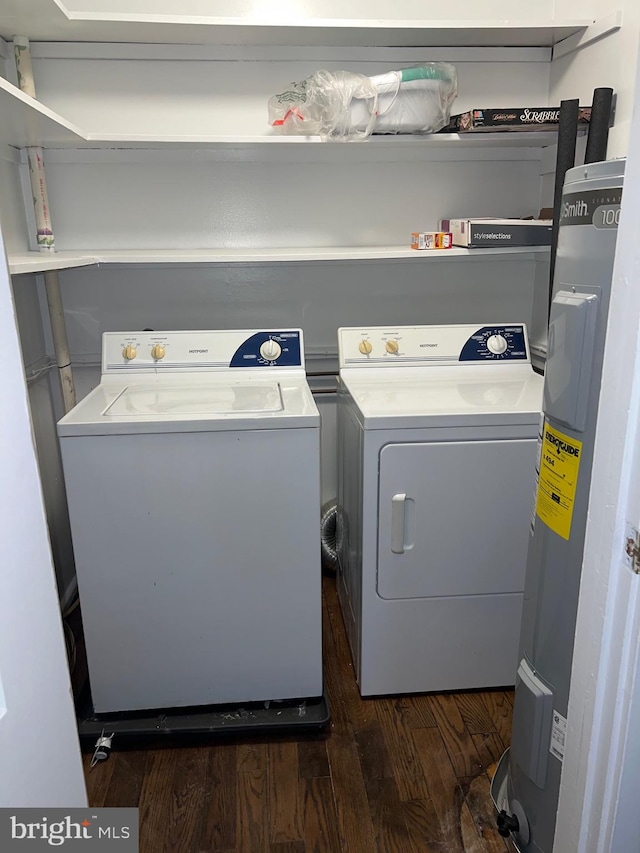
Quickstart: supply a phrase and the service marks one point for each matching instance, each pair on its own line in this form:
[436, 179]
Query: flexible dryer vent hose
[328, 538]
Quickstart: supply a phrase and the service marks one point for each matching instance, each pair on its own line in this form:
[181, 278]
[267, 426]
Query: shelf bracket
[600, 29]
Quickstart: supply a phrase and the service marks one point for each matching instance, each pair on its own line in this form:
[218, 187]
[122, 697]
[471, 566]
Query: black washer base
[250, 718]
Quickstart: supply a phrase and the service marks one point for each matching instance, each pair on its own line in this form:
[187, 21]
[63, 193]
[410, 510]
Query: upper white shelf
[321, 32]
[25, 122]
[36, 262]
[306, 23]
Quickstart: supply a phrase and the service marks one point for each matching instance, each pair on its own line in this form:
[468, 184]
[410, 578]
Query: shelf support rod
[44, 234]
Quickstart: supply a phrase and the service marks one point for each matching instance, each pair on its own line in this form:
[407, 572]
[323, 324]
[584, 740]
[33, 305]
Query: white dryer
[437, 437]
[193, 480]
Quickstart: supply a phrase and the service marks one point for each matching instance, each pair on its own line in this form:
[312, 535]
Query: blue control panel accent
[477, 349]
[248, 354]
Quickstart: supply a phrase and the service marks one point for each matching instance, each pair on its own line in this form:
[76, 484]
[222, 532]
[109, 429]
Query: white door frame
[601, 774]
[40, 761]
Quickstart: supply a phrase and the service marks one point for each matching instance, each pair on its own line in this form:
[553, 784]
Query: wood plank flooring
[406, 774]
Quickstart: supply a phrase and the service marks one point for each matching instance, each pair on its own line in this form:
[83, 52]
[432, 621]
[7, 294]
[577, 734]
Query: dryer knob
[129, 352]
[392, 346]
[270, 350]
[157, 352]
[365, 347]
[497, 344]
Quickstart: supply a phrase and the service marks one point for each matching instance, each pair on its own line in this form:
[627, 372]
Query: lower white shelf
[36, 262]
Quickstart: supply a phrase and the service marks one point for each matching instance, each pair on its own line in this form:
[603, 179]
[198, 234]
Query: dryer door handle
[398, 503]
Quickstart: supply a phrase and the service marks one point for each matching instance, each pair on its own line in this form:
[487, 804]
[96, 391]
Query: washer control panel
[444, 345]
[201, 350]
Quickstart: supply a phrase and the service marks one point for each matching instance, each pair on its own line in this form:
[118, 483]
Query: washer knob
[365, 347]
[497, 344]
[392, 346]
[129, 352]
[157, 351]
[270, 350]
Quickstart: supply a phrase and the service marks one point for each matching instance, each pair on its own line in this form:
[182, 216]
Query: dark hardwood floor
[400, 775]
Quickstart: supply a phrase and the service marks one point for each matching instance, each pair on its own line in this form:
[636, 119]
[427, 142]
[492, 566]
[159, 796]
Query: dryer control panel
[361, 346]
[136, 352]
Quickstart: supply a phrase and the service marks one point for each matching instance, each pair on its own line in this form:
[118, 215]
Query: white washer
[193, 481]
[437, 436]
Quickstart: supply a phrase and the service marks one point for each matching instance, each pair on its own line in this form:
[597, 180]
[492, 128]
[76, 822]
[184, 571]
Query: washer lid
[195, 404]
[414, 398]
[215, 399]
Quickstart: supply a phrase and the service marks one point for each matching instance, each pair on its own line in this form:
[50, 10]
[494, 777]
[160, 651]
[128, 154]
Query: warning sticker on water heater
[558, 735]
[558, 479]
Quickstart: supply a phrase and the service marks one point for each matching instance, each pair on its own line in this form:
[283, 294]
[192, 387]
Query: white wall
[609, 62]
[153, 199]
[318, 296]
[111, 89]
[575, 8]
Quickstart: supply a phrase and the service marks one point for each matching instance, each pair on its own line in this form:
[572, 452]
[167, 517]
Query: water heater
[526, 785]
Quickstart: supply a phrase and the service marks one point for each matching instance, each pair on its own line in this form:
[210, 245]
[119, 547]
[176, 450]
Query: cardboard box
[431, 240]
[511, 119]
[480, 233]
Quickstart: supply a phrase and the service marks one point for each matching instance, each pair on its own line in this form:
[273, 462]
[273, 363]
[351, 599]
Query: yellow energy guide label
[559, 468]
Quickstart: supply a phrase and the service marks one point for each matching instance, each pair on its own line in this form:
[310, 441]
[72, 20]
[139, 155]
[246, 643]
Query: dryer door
[454, 517]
